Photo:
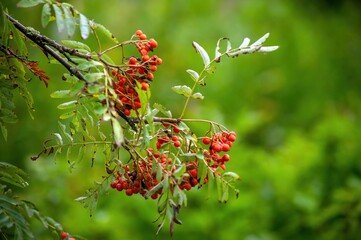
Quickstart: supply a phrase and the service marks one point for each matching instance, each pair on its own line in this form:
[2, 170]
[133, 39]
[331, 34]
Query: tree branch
[44, 43]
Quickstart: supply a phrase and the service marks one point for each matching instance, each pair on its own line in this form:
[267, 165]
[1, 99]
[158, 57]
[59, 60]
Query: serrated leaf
[45, 15]
[183, 90]
[29, 3]
[61, 94]
[260, 41]
[84, 26]
[68, 105]
[60, 23]
[69, 21]
[76, 45]
[117, 132]
[197, 95]
[202, 52]
[194, 74]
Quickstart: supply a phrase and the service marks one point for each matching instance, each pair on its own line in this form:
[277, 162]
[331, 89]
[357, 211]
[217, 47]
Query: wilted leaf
[261, 40]
[245, 43]
[202, 52]
[218, 54]
[267, 49]
[194, 74]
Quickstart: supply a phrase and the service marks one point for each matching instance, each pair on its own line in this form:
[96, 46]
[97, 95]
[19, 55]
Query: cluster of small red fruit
[142, 177]
[138, 71]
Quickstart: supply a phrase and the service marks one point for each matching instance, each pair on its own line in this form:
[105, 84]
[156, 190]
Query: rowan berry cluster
[137, 74]
[146, 173]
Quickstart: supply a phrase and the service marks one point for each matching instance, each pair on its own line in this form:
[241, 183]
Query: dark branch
[44, 43]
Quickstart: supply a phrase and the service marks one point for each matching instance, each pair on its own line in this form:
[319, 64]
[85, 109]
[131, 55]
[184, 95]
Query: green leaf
[162, 109]
[233, 175]
[68, 105]
[69, 21]
[197, 95]
[45, 15]
[59, 18]
[63, 131]
[117, 132]
[76, 45]
[58, 138]
[100, 109]
[12, 174]
[106, 32]
[67, 115]
[84, 26]
[183, 90]
[61, 94]
[4, 131]
[29, 3]
[93, 77]
[89, 64]
[202, 52]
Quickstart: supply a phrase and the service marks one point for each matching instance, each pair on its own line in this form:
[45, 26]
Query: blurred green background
[297, 113]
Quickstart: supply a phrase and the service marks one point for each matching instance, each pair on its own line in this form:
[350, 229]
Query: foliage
[166, 157]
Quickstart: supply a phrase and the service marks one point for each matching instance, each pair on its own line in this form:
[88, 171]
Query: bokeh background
[296, 111]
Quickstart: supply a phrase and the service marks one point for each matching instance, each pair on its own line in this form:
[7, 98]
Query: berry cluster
[137, 74]
[219, 142]
[143, 176]
[146, 173]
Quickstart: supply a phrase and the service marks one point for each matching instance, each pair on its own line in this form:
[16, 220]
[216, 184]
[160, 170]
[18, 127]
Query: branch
[44, 43]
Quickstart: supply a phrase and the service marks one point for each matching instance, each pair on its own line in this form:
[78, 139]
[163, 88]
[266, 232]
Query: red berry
[138, 33]
[158, 61]
[150, 76]
[152, 43]
[176, 130]
[143, 37]
[216, 147]
[119, 186]
[177, 143]
[225, 147]
[187, 186]
[145, 58]
[206, 140]
[226, 158]
[132, 60]
[194, 181]
[153, 68]
[174, 138]
[145, 86]
[193, 173]
[64, 235]
[232, 137]
[129, 192]
[154, 196]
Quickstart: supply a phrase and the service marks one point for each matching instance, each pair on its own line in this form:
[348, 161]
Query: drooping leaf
[12, 174]
[84, 26]
[89, 64]
[183, 90]
[29, 3]
[194, 75]
[268, 49]
[67, 115]
[93, 77]
[197, 95]
[69, 20]
[117, 132]
[233, 175]
[60, 22]
[162, 109]
[45, 15]
[202, 52]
